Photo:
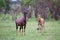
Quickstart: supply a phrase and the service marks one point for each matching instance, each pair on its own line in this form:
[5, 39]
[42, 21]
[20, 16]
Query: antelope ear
[25, 11]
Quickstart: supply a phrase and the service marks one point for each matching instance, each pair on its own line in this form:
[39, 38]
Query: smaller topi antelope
[40, 22]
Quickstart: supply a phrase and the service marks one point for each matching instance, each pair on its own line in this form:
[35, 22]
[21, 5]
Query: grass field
[51, 31]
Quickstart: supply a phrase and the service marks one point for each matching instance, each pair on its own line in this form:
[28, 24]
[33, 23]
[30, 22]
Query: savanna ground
[51, 30]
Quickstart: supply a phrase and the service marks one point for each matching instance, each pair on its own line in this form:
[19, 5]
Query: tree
[57, 10]
[7, 7]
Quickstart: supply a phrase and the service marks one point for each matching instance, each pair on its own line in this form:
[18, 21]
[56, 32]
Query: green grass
[8, 30]
[51, 31]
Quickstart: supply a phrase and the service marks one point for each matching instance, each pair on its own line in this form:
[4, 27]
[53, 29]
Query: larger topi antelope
[21, 22]
[40, 22]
